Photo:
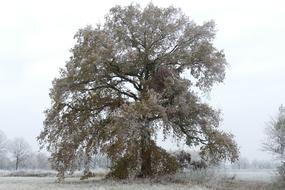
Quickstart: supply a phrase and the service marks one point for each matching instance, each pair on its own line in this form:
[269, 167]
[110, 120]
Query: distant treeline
[244, 163]
[17, 154]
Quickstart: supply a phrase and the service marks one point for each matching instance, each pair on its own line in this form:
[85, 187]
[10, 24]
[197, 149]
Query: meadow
[199, 180]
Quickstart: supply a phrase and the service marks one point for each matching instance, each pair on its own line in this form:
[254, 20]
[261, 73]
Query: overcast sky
[35, 38]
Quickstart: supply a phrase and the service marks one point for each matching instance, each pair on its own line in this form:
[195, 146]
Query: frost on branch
[126, 81]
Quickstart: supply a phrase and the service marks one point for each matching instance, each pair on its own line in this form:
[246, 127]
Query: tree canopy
[3, 144]
[140, 72]
[275, 131]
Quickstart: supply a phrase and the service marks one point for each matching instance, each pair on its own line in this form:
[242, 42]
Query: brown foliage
[124, 82]
[183, 158]
[162, 163]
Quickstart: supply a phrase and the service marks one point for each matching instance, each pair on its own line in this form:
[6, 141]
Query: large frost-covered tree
[139, 73]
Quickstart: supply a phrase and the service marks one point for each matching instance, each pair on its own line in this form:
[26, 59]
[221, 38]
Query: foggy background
[35, 38]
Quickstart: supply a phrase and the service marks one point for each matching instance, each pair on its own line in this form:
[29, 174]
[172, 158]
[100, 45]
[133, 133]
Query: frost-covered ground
[48, 183]
[265, 175]
[205, 180]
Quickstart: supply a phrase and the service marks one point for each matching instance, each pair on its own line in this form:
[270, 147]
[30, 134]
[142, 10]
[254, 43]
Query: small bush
[183, 158]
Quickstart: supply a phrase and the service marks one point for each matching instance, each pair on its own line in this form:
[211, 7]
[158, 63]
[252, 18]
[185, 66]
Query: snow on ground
[265, 175]
[210, 177]
[48, 183]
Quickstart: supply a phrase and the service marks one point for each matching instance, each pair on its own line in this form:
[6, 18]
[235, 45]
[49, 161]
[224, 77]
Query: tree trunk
[146, 170]
[17, 163]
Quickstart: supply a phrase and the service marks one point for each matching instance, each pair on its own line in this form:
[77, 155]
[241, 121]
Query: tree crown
[125, 81]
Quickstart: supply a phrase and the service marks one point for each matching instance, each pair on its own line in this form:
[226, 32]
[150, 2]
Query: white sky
[35, 38]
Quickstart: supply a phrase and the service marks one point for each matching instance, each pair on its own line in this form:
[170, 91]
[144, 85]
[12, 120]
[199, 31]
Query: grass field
[265, 175]
[48, 183]
[222, 180]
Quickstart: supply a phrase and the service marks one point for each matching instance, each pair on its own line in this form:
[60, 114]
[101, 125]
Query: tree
[38, 160]
[125, 81]
[242, 163]
[3, 144]
[275, 132]
[275, 141]
[20, 151]
[3, 149]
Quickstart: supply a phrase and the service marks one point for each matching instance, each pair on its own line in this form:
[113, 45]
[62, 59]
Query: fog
[36, 37]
